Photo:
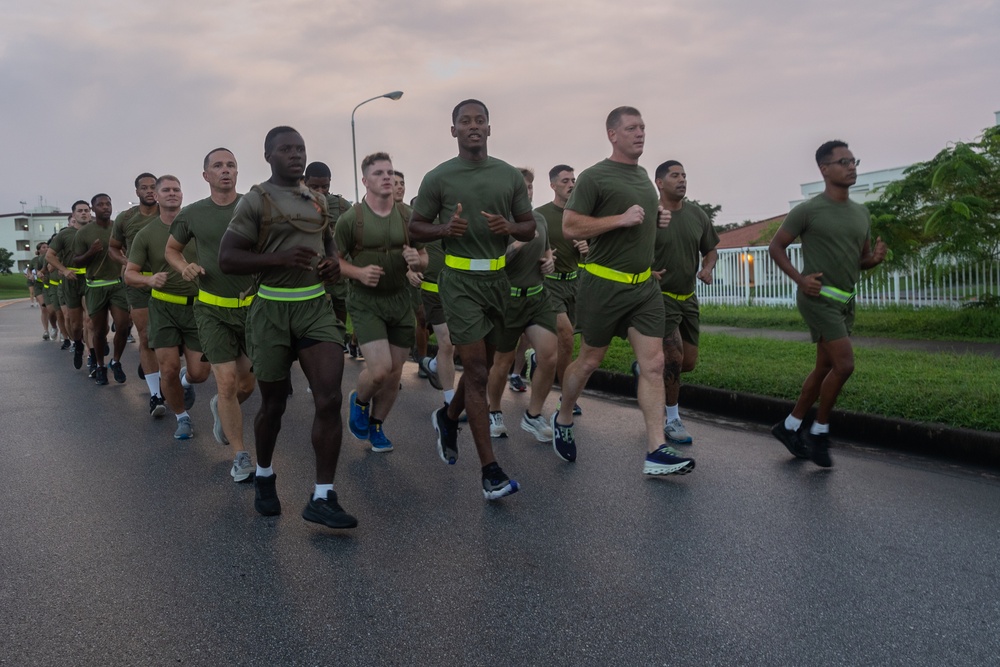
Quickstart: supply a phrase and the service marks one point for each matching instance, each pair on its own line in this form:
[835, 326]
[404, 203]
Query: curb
[937, 440]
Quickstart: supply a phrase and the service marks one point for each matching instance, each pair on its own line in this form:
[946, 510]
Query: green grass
[13, 286]
[959, 324]
[957, 390]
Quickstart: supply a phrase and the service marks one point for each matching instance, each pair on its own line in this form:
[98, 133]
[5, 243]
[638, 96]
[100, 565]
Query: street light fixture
[394, 95]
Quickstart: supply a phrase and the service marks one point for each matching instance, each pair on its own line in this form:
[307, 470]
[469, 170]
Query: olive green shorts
[102, 298]
[474, 304]
[172, 324]
[221, 331]
[73, 291]
[276, 331]
[380, 316]
[138, 297]
[53, 296]
[608, 309]
[562, 294]
[827, 319]
[523, 312]
[433, 310]
[682, 315]
[416, 301]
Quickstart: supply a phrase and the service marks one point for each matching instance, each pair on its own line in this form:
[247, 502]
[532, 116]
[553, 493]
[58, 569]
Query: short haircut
[558, 169]
[78, 202]
[39, 246]
[216, 150]
[167, 177]
[397, 172]
[69, 217]
[98, 196]
[141, 176]
[615, 117]
[369, 160]
[317, 170]
[528, 173]
[273, 134]
[458, 107]
[826, 150]
[662, 170]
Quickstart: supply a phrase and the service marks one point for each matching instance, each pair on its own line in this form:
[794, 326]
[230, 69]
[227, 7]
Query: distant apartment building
[21, 232]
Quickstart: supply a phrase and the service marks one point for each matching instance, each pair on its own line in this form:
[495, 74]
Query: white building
[21, 232]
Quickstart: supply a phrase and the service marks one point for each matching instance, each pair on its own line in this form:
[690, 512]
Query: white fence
[747, 276]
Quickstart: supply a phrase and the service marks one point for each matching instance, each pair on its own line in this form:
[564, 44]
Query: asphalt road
[121, 546]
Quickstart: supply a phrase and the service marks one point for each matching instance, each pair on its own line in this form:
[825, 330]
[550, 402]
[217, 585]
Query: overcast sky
[741, 92]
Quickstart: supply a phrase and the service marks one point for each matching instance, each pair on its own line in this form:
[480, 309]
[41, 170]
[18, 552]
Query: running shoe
[792, 440]
[77, 356]
[530, 364]
[517, 384]
[667, 461]
[101, 375]
[576, 408]
[497, 428]
[377, 438]
[217, 431]
[496, 484]
[265, 496]
[819, 449]
[358, 420]
[243, 469]
[676, 433]
[117, 371]
[92, 370]
[66, 344]
[432, 376]
[45, 336]
[537, 426]
[130, 339]
[328, 512]
[157, 407]
[447, 435]
[184, 430]
[189, 394]
[563, 443]
[354, 351]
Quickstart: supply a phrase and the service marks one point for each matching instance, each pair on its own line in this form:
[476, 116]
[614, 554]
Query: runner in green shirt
[281, 232]
[413, 283]
[60, 255]
[440, 369]
[615, 207]
[473, 203]
[690, 240]
[317, 177]
[836, 246]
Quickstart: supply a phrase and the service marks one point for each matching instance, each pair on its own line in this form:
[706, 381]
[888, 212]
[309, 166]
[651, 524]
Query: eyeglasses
[845, 162]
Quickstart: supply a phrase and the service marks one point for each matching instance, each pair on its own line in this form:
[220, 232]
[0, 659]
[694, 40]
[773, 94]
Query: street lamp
[394, 95]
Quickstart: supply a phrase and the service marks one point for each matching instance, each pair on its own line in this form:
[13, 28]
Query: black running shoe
[819, 449]
[157, 406]
[496, 484]
[792, 440]
[328, 512]
[266, 496]
[77, 356]
[117, 371]
[101, 375]
[66, 344]
[447, 435]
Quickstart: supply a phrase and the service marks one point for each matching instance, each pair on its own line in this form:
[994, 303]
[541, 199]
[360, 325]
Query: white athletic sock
[184, 380]
[448, 395]
[183, 414]
[673, 412]
[792, 424]
[321, 491]
[153, 382]
[265, 472]
[819, 429]
[433, 365]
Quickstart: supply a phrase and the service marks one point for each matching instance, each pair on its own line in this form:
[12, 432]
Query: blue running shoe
[358, 421]
[667, 461]
[563, 443]
[377, 438]
[496, 484]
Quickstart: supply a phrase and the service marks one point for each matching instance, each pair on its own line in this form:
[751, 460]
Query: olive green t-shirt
[337, 206]
[489, 185]
[523, 266]
[205, 222]
[567, 256]
[680, 246]
[295, 221]
[129, 222]
[147, 250]
[611, 188]
[833, 238]
[100, 267]
[62, 245]
[38, 263]
[382, 240]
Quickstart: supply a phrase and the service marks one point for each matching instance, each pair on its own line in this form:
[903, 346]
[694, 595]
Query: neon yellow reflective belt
[172, 298]
[102, 283]
[77, 271]
[617, 276]
[55, 282]
[526, 291]
[291, 293]
[838, 295]
[46, 286]
[224, 301]
[569, 275]
[429, 286]
[678, 297]
[467, 264]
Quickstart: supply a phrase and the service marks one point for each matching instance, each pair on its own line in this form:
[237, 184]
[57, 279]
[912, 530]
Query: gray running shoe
[184, 430]
[538, 427]
[676, 433]
[220, 435]
[497, 428]
[432, 376]
[243, 468]
[189, 394]
[328, 512]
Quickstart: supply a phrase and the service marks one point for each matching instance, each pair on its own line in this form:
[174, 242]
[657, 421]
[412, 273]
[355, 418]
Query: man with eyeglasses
[836, 245]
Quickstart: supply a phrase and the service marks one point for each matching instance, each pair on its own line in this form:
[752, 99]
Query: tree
[6, 261]
[711, 210]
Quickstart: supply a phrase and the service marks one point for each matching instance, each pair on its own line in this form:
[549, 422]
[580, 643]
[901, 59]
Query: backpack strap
[359, 230]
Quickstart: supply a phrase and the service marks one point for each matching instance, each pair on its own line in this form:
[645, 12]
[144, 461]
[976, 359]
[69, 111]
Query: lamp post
[394, 95]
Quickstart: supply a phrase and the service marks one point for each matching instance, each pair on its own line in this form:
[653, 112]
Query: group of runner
[242, 286]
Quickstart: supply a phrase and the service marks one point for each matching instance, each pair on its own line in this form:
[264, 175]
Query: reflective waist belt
[77, 271]
[172, 298]
[55, 282]
[291, 293]
[429, 286]
[569, 275]
[223, 301]
[617, 276]
[475, 264]
[103, 283]
[678, 297]
[526, 291]
[838, 295]
[46, 286]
